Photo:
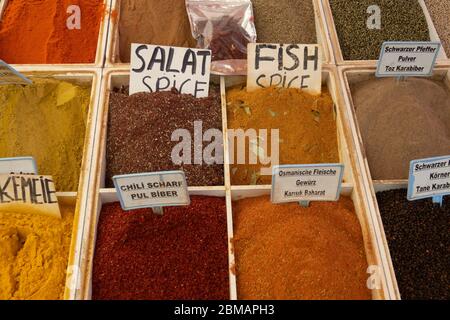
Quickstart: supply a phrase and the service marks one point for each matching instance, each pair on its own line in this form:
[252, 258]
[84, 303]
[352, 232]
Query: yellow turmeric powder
[306, 123]
[34, 252]
[46, 120]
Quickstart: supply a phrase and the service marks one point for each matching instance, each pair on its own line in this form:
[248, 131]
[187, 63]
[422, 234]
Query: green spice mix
[401, 20]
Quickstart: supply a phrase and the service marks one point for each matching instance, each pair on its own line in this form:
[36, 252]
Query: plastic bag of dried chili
[225, 27]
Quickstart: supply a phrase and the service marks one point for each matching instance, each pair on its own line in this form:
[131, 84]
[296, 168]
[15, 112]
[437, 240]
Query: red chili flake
[181, 255]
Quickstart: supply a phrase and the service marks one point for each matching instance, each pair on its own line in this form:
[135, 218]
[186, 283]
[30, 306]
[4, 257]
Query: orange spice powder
[36, 32]
[290, 252]
[306, 124]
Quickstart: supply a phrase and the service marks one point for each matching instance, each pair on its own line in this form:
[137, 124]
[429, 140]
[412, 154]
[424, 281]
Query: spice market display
[224, 150]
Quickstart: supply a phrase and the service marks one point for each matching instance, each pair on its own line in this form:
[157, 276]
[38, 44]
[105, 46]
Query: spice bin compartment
[348, 190]
[337, 51]
[349, 76]
[109, 196]
[101, 42]
[329, 79]
[112, 48]
[80, 197]
[114, 78]
[353, 187]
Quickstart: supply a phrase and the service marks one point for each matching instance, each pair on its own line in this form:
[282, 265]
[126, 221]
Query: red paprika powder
[181, 255]
[37, 31]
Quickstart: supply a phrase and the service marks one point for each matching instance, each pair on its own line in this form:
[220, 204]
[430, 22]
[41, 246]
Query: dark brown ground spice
[419, 242]
[140, 127]
[180, 255]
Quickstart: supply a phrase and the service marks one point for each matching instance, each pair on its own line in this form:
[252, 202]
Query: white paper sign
[312, 182]
[28, 193]
[9, 75]
[284, 65]
[152, 190]
[429, 178]
[161, 68]
[25, 165]
[406, 59]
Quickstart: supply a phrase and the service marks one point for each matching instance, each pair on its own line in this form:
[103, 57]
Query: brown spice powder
[158, 22]
[306, 123]
[291, 252]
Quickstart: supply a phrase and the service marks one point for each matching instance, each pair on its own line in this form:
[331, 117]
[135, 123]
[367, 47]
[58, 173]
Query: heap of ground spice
[291, 252]
[419, 243]
[158, 22]
[439, 11]
[140, 129]
[37, 32]
[306, 124]
[285, 21]
[401, 20]
[401, 121]
[181, 255]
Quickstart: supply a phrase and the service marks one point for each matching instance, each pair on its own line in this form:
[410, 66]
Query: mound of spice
[299, 117]
[290, 252]
[34, 251]
[401, 20]
[401, 121]
[46, 120]
[285, 21]
[419, 242]
[181, 255]
[159, 22]
[140, 129]
[38, 32]
[439, 11]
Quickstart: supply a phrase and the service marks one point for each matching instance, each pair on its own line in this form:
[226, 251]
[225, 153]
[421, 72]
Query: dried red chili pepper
[180, 255]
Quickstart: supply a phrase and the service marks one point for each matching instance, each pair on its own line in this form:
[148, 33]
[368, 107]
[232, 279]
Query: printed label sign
[20, 165]
[284, 65]
[28, 193]
[9, 75]
[429, 178]
[406, 59]
[312, 182]
[152, 190]
[160, 68]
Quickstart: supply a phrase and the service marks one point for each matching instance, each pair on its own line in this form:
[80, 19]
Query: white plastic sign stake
[284, 65]
[152, 190]
[407, 59]
[305, 183]
[20, 165]
[28, 193]
[161, 68]
[429, 178]
[9, 75]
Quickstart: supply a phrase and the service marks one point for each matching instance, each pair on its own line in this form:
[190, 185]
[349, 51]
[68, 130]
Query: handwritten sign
[160, 68]
[22, 165]
[429, 178]
[9, 75]
[304, 183]
[406, 59]
[28, 193]
[284, 65]
[152, 190]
